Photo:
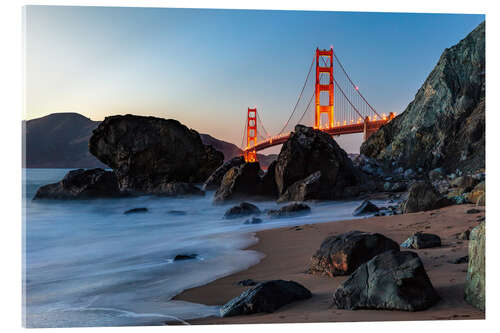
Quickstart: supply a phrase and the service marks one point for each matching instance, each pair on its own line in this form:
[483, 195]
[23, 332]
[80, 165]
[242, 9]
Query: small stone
[185, 257]
[473, 211]
[247, 282]
[366, 207]
[422, 240]
[136, 210]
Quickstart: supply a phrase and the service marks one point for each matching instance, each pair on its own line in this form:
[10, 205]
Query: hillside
[60, 140]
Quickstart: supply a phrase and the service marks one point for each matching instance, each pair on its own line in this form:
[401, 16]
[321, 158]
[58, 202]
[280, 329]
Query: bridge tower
[320, 109]
[250, 154]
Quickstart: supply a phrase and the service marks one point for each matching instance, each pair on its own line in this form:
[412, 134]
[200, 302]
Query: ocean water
[88, 264]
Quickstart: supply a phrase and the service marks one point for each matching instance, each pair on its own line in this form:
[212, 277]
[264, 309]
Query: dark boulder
[473, 211]
[306, 152]
[392, 280]
[215, 179]
[423, 196]
[243, 209]
[136, 210]
[238, 183]
[265, 297]
[148, 152]
[421, 240]
[291, 210]
[475, 283]
[82, 184]
[366, 207]
[444, 126]
[342, 254]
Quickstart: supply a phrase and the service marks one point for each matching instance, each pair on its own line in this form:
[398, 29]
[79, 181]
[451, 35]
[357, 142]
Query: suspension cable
[300, 96]
[307, 107]
[352, 83]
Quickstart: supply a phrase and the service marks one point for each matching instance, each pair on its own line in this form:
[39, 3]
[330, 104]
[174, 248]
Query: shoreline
[287, 252]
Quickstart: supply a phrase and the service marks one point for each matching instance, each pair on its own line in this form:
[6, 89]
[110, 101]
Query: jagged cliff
[444, 126]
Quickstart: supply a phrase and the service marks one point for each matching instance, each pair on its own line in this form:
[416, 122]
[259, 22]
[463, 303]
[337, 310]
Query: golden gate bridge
[339, 108]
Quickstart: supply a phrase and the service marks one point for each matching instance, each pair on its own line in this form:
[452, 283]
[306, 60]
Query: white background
[11, 102]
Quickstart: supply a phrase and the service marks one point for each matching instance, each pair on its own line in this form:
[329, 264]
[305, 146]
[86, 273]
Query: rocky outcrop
[392, 280]
[82, 184]
[420, 240]
[475, 281]
[268, 186]
[444, 126]
[265, 297]
[239, 182]
[293, 209]
[243, 209]
[306, 152]
[342, 254]
[215, 179]
[423, 196]
[147, 152]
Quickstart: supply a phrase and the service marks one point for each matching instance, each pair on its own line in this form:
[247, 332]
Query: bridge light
[357, 88]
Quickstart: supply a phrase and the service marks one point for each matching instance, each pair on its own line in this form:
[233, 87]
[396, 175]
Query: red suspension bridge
[339, 108]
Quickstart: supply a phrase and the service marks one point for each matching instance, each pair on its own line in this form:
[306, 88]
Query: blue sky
[205, 67]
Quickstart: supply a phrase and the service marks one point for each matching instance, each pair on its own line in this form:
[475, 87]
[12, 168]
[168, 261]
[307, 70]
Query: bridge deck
[371, 127]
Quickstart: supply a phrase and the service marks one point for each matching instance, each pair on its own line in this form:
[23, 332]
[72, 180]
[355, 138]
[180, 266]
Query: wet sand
[288, 252]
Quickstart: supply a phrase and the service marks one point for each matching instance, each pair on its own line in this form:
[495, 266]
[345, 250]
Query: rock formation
[475, 286]
[423, 196]
[303, 155]
[444, 126]
[265, 297]
[148, 152]
[82, 184]
[392, 280]
[243, 209]
[342, 254]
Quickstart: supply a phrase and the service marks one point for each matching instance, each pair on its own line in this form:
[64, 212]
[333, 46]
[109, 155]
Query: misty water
[88, 264]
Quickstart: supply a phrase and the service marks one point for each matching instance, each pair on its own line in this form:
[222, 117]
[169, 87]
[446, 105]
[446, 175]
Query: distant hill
[60, 140]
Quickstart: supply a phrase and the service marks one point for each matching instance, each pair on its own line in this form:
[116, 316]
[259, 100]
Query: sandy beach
[288, 252]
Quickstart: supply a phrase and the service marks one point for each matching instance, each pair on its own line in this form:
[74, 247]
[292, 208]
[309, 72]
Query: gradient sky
[205, 67]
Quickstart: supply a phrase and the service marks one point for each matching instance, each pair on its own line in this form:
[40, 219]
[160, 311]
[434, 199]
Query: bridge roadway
[371, 127]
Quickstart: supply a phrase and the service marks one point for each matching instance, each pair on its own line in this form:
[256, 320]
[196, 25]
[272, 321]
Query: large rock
[82, 184]
[302, 155]
[239, 182]
[444, 126]
[342, 254]
[215, 179]
[178, 190]
[475, 281]
[423, 196]
[148, 152]
[265, 297]
[392, 280]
